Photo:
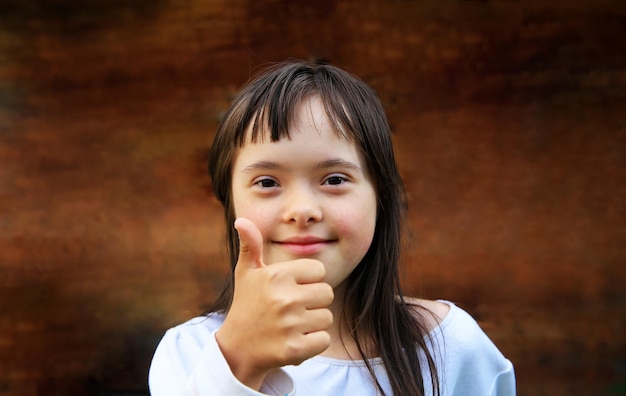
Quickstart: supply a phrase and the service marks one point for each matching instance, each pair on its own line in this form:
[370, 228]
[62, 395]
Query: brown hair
[382, 321]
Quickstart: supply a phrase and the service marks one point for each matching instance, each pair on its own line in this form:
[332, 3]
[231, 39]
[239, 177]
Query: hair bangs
[272, 110]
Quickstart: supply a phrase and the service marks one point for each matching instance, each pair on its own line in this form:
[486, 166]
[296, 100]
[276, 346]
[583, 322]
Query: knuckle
[282, 301]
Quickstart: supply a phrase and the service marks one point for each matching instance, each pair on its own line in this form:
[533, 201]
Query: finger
[316, 320]
[316, 342]
[308, 271]
[305, 346]
[317, 295]
[250, 244]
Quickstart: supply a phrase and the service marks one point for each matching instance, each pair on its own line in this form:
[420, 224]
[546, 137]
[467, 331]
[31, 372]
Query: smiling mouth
[304, 247]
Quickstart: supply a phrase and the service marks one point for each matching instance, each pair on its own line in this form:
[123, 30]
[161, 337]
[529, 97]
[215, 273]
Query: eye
[266, 183]
[335, 180]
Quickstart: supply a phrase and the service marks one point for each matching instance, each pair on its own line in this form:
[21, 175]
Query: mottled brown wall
[510, 126]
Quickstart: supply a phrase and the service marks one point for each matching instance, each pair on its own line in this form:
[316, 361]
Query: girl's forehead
[307, 137]
[308, 114]
[263, 135]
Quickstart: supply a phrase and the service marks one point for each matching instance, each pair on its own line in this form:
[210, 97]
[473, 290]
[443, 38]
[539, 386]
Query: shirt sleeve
[484, 370]
[473, 364]
[185, 364]
[504, 383]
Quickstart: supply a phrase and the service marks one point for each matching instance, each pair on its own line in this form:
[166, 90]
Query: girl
[304, 166]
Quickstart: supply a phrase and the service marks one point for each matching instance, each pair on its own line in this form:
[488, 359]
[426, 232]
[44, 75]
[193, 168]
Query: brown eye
[335, 180]
[267, 183]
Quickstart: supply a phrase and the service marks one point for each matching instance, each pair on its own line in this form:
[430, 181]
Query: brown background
[510, 129]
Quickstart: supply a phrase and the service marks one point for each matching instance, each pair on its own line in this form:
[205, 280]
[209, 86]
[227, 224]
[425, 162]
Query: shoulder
[446, 318]
[194, 333]
[459, 335]
[458, 329]
[432, 312]
[463, 333]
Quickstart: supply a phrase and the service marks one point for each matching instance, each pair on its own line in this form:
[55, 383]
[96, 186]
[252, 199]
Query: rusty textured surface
[510, 126]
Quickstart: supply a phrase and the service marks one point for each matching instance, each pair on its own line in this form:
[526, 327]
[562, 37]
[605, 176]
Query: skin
[306, 211]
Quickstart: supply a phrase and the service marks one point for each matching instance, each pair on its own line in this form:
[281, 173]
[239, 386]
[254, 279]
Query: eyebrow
[330, 163]
[338, 162]
[261, 165]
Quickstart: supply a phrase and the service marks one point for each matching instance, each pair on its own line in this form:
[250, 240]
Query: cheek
[358, 225]
[261, 216]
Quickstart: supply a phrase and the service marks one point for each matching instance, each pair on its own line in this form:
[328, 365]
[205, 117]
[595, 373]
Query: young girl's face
[310, 195]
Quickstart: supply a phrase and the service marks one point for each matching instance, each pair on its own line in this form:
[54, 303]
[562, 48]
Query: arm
[278, 317]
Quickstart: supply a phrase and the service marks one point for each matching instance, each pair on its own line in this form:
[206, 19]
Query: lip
[304, 245]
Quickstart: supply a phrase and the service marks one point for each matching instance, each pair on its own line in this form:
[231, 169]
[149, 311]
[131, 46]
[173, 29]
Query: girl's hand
[278, 316]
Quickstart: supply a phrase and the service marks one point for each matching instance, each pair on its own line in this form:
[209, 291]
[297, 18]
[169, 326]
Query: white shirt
[188, 361]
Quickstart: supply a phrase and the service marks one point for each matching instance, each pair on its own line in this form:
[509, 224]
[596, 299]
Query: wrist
[242, 368]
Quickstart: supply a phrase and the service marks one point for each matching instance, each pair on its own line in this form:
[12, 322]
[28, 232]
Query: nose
[302, 207]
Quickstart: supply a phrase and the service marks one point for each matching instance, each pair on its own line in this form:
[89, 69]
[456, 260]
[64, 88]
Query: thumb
[250, 244]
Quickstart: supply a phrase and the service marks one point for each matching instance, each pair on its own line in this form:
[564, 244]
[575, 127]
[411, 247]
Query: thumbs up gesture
[279, 313]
